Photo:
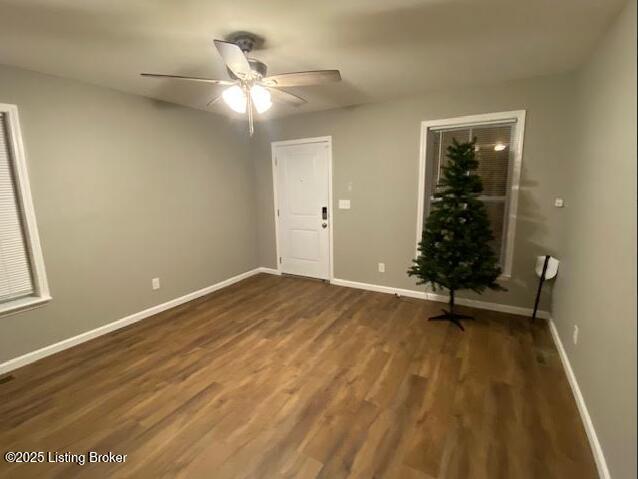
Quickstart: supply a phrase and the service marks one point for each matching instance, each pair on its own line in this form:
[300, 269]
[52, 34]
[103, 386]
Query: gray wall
[376, 148]
[125, 189]
[596, 287]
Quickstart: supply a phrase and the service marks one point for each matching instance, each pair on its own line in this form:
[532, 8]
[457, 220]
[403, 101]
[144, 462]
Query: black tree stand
[450, 315]
[455, 252]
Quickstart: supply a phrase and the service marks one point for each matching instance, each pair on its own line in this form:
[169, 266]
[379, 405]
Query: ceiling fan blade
[180, 77]
[284, 96]
[303, 78]
[234, 58]
[213, 101]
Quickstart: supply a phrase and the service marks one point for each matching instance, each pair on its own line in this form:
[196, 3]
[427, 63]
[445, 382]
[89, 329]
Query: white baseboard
[33, 356]
[503, 308]
[263, 269]
[599, 457]
[378, 288]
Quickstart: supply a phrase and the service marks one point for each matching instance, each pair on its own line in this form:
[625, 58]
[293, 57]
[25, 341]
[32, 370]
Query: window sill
[23, 304]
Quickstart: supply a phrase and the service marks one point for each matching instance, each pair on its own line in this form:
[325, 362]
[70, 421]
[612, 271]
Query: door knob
[324, 225]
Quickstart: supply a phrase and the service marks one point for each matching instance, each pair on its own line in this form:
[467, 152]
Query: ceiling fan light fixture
[261, 98]
[250, 90]
[235, 98]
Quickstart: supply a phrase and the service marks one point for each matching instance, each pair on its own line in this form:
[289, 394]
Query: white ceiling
[384, 48]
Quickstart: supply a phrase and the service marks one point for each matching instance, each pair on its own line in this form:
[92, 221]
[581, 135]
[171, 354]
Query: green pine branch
[455, 251]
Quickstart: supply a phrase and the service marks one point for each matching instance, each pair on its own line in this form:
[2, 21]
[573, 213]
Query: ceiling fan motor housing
[248, 42]
[255, 65]
[245, 41]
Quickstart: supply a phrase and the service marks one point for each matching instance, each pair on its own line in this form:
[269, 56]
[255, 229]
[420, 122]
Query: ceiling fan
[249, 88]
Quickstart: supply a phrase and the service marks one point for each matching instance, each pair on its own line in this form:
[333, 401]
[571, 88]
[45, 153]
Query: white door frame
[302, 141]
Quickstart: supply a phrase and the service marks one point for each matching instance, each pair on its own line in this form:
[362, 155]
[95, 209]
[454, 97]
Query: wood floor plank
[283, 377]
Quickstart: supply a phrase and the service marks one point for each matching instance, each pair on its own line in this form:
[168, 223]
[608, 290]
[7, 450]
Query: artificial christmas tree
[455, 251]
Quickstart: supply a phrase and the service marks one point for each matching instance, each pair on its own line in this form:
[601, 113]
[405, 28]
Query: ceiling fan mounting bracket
[246, 41]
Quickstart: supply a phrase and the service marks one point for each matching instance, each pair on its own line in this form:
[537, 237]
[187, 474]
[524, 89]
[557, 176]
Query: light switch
[559, 202]
[344, 204]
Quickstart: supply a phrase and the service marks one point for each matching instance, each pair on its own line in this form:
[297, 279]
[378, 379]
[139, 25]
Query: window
[23, 282]
[499, 141]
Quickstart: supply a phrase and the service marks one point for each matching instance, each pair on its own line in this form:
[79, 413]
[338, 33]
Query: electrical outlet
[575, 334]
[559, 202]
[155, 283]
[381, 267]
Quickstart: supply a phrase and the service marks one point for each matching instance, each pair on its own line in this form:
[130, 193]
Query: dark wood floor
[291, 378]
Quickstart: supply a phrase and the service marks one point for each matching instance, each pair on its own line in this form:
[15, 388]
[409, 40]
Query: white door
[303, 206]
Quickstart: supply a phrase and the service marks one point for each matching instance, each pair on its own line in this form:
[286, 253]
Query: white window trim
[517, 151]
[16, 151]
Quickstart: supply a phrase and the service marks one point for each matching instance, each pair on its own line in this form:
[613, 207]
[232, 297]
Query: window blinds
[15, 269]
[493, 152]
